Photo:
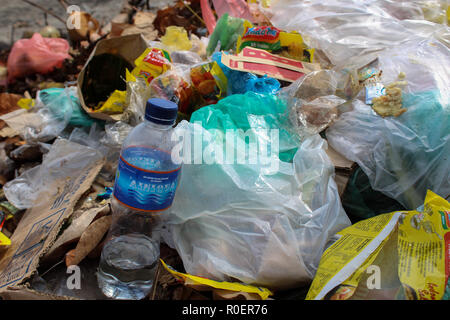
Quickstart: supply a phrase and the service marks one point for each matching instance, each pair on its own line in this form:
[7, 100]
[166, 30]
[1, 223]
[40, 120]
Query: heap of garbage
[313, 142]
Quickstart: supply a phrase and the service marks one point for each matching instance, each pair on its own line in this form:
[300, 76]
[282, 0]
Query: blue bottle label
[145, 189]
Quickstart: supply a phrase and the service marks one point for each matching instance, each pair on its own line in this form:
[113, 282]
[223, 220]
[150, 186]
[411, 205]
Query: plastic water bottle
[145, 185]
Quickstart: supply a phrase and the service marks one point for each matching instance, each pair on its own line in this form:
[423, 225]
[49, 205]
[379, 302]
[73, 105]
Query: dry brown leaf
[76, 228]
[90, 238]
[8, 102]
[144, 19]
[97, 251]
[148, 33]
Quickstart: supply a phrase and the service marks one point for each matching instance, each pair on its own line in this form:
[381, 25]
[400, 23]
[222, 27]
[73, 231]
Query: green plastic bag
[252, 112]
[227, 31]
[361, 202]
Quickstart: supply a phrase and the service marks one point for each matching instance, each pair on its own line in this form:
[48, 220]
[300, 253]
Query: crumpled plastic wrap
[174, 85]
[237, 222]
[58, 163]
[185, 57]
[406, 155]
[339, 82]
[46, 120]
[314, 116]
[138, 92]
[343, 29]
[316, 100]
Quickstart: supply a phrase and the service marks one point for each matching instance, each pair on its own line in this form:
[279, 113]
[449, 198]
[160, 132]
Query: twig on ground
[44, 9]
[63, 3]
[193, 12]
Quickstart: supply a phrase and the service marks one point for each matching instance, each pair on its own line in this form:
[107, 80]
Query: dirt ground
[17, 17]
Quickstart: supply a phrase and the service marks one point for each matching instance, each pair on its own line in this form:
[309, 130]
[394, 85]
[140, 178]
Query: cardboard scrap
[129, 47]
[41, 224]
[20, 119]
[76, 229]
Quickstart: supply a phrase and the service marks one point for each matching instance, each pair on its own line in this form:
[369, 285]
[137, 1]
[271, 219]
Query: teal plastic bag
[63, 101]
[405, 156]
[252, 112]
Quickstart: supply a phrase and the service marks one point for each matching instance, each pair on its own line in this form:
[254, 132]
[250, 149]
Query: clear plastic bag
[315, 116]
[406, 155]
[316, 100]
[343, 29]
[185, 57]
[62, 161]
[46, 120]
[174, 85]
[64, 101]
[234, 222]
[138, 92]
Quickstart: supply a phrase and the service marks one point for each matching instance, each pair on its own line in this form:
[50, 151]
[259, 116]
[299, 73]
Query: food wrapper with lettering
[402, 255]
[151, 63]
[286, 44]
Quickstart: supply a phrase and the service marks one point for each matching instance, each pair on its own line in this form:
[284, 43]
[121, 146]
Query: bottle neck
[157, 126]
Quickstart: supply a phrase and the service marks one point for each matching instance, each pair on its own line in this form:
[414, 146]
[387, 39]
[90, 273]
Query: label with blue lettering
[141, 184]
[374, 90]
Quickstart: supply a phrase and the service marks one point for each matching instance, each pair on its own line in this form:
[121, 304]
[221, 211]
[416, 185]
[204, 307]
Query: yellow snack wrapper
[25, 103]
[151, 63]
[129, 77]
[231, 286]
[420, 254]
[271, 39]
[4, 240]
[116, 103]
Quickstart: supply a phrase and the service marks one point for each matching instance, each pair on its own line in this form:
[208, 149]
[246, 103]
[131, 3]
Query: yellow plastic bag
[116, 103]
[176, 38]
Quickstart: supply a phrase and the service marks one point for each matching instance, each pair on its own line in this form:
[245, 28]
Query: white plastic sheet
[343, 29]
[64, 160]
[235, 221]
[404, 156]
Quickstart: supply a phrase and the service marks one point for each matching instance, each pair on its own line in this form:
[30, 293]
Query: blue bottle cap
[161, 111]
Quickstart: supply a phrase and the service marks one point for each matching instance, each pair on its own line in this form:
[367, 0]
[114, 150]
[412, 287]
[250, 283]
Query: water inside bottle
[127, 267]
